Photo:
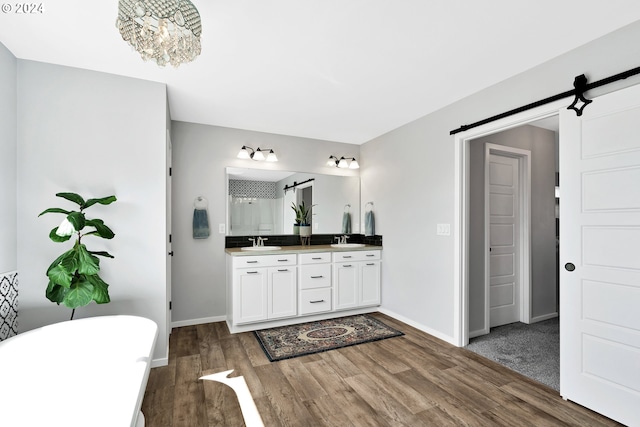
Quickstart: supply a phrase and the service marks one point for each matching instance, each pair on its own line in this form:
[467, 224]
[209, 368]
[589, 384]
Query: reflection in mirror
[259, 205]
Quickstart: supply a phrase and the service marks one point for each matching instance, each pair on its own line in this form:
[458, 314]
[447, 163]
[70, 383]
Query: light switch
[221, 228]
[443, 229]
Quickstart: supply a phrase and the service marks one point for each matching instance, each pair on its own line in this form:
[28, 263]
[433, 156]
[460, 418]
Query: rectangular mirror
[259, 201]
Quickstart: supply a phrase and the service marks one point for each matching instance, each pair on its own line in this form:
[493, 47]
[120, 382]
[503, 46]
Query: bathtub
[86, 372]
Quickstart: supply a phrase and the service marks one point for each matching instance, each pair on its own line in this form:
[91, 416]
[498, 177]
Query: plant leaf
[87, 263]
[54, 210]
[79, 295]
[60, 276]
[73, 197]
[53, 236]
[55, 293]
[102, 253]
[77, 220]
[100, 289]
[103, 201]
[101, 229]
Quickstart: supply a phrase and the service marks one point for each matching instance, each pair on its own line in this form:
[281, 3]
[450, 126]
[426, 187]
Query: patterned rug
[291, 341]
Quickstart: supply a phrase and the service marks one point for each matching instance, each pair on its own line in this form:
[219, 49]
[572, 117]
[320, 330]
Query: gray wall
[8, 170]
[541, 143]
[95, 134]
[200, 155]
[409, 175]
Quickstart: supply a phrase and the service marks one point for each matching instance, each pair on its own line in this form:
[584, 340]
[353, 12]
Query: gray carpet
[532, 350]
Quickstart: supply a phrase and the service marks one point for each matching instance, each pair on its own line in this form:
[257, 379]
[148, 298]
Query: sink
[261, 248]
[347, 245]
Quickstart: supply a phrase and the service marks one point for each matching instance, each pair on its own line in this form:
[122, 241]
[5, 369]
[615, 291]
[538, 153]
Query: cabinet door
[282, 294]
[250, 295]
[345, 285]
[370, 283]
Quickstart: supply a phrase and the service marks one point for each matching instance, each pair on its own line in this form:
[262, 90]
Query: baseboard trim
[419, 326]
[478, 333]
[191, 322]
[544, 317]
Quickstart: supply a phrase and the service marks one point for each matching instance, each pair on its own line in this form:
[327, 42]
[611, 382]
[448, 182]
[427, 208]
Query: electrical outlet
[443, 229]
[221, 228]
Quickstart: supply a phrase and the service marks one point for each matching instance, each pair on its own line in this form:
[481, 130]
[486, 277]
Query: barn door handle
[569, 266]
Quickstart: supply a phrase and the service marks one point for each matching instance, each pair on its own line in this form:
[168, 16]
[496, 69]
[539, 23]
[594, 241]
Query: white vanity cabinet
[263, 287]
[280, 289]
[314, 282]
[356, 279]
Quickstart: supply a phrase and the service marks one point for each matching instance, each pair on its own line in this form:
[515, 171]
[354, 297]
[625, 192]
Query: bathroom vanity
[296, 284]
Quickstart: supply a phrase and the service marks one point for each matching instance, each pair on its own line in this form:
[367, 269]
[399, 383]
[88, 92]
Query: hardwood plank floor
[413, 380]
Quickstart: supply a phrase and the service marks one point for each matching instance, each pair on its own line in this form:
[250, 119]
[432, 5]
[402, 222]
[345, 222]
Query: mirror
[259, 201]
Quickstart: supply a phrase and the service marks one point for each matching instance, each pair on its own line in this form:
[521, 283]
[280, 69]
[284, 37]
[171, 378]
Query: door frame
[524, 231]
[460, 230]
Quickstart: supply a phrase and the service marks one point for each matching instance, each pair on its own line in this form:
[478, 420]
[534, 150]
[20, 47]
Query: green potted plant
[73, 276]
[305, 219]
[298, 219]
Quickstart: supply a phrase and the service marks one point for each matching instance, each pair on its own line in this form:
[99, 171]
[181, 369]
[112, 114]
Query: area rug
[287, 342]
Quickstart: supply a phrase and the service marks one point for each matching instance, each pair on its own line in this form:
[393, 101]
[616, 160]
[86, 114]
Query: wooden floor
[413, 380]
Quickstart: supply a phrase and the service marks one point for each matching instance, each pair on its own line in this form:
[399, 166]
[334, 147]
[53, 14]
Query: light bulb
[343, 163]
[271, 157]
[258, 155]
[354, 164]
[244, 153]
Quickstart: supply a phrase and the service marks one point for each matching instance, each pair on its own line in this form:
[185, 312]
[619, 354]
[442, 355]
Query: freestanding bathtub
[86, 372]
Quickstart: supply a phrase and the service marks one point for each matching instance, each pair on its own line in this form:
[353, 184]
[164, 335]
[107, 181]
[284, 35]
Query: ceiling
[338, 70]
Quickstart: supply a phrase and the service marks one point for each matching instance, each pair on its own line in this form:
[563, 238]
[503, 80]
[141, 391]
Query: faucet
[261, 241]
[253, 242]
[341, 239]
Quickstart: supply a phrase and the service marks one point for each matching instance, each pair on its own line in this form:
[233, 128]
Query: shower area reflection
[254, 208]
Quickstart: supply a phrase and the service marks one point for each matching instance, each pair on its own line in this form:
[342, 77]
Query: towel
[346, 223]
[369, 224]
[200, 224]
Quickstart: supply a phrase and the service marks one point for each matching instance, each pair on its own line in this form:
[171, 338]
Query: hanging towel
[369, 224]
[346, 223]
[200, 224]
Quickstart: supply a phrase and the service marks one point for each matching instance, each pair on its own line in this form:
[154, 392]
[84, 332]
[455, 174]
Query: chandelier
[164, 31]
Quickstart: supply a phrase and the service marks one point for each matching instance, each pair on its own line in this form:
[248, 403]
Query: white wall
[8, 171]
[541, 144]
[95, 134]
[409, 175]
[200, 155]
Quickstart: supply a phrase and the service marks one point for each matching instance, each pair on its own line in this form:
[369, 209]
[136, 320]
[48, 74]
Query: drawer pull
[315, 302]
[283, 260]
[252, 272]
[252, 262]
[318, 257]
[317, 277]
[347, 265]
[370, 255]
[285, 269]
[370, 263]
[346, 256]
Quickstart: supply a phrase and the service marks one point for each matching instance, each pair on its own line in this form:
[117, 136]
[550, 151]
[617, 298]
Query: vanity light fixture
[247, 152]
[343, 163]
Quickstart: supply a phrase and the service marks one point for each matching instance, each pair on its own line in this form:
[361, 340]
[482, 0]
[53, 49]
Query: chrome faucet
[261, 241]
[342, 239]
[253, 242]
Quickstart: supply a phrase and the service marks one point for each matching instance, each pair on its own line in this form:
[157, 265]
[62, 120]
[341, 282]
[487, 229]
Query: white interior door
[600, 256]
[504, 287]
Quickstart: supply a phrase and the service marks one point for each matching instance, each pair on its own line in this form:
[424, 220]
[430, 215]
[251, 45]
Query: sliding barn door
[600, 256]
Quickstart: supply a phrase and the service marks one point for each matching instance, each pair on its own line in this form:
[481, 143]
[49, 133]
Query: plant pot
[296, 229]
[305, 230]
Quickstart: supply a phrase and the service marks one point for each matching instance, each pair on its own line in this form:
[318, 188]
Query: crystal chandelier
[165, 31]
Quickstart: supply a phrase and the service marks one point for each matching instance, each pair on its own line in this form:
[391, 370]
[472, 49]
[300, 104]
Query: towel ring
[367, 204]
[346, 208]
[200, 203]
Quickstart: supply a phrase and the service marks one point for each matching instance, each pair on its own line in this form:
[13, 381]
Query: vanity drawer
[315, 300]
[356, 256]
[315, 258]
[314, 276]
[264, 260]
